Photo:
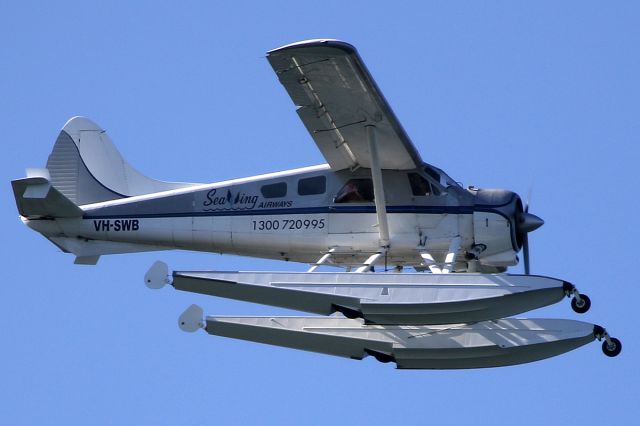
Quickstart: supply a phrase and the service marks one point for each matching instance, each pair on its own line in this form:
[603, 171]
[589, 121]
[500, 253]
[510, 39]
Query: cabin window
[274, 190]
[312, 186]
[356, 191]
[419, 185]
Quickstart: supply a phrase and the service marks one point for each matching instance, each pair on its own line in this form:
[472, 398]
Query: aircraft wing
[336, 98]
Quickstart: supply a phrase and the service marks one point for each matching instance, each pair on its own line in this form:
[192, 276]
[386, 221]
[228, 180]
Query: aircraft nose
[511, 206]
[528, 222]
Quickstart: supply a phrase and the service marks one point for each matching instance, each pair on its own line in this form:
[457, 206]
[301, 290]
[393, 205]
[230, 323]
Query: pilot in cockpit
[356, 191]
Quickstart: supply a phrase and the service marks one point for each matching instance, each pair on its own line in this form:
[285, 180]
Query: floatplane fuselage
[298, 215]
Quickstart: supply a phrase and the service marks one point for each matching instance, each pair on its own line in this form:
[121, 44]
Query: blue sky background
[499, 94]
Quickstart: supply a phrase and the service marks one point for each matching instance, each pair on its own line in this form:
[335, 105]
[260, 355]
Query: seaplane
[421, 276]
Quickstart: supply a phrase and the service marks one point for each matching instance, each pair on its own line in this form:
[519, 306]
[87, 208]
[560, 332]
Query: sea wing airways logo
[216, 202]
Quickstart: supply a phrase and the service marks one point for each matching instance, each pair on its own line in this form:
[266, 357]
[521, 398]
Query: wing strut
[378, 189]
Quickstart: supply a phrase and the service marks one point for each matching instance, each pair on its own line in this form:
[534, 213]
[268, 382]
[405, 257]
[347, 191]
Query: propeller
[527, 222]
[525, 252]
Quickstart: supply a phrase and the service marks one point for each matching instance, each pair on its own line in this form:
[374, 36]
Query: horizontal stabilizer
[479, 345]
[384, 298]
[36, 198]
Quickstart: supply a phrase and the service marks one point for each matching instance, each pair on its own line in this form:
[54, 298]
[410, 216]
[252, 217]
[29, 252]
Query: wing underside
[336, 99]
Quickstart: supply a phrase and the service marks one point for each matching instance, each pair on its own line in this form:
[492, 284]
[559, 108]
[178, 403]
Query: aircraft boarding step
[478, 345]
[381, 298]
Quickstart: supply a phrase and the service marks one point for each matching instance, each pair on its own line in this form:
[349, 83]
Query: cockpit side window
[422, 186]
[356, 191]
[419, 185]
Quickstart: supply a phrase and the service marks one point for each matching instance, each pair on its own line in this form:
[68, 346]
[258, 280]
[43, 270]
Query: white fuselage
[235, 217]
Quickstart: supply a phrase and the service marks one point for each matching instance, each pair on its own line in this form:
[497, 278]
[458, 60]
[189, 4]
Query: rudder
[86, 167]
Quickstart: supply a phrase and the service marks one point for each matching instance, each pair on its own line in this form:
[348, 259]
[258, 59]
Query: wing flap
[336, 98]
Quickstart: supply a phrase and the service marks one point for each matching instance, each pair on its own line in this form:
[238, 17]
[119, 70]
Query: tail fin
[87, 168]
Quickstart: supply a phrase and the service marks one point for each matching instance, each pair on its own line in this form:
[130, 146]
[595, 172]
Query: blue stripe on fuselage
[320, 210]
[308, 210]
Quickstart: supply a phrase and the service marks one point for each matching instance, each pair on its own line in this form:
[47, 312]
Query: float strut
[581, 302]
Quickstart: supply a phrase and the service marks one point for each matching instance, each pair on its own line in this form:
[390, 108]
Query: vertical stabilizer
[86, 167]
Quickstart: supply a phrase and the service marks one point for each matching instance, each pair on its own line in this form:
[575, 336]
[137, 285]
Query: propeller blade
[528, 202]
[525, 252]
[528, 223]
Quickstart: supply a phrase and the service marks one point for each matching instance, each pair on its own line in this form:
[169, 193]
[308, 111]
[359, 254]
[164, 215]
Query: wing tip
[320, 42]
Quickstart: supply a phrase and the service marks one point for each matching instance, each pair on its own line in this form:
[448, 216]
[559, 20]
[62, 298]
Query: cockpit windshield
[439, 176]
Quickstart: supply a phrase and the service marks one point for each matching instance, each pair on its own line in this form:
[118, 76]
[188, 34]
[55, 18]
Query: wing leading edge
[336, 98]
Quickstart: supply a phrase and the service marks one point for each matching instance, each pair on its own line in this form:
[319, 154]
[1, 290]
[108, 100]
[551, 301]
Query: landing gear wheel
[582, 306]
[612, 349]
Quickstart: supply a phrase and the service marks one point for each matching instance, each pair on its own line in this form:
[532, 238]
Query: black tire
[615, 350]
[584, 307]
